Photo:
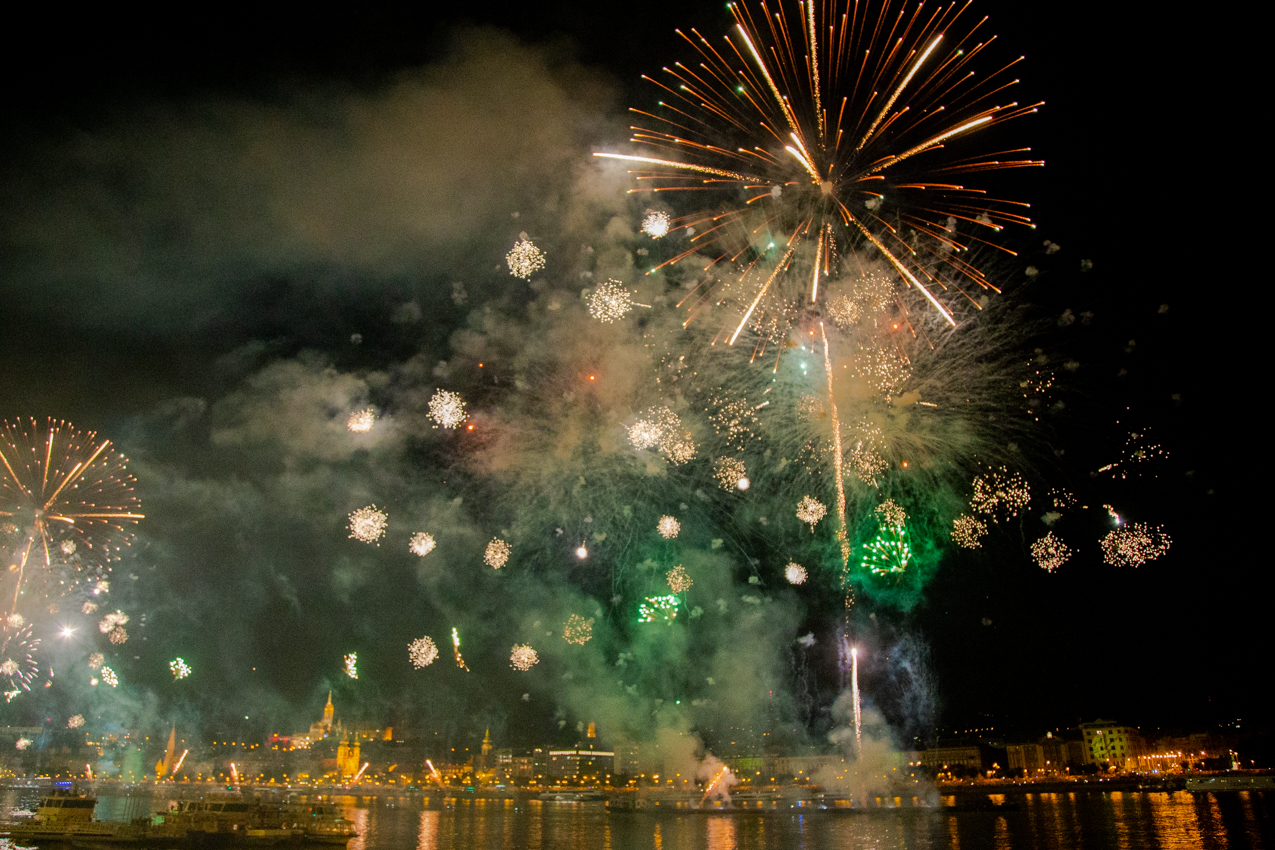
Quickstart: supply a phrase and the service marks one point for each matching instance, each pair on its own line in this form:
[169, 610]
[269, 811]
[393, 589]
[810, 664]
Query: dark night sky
[147, 308]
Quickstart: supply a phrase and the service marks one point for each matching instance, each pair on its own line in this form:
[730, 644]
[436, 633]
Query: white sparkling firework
[577, 630]
[845, 312]
[67, 547]
[112, 621]
[810, 510]
[656, 223]
[179, 668]
[968, 531]
[662, 429]
[75, 721]
[446, 409]
[811, 407]
[1050, 552]
[361, 421]
[1134, 545]
[96, 660]
[736, 420]
[668, 527]
[22, 743]
[351, 664]
[678, 580]
[497, 553]
[795, 573]
[525, 259]
[109, 677]
[103, 586]
[422, 652]
[523, 657]
[866, 463]
[9, 667]
[611, 301]
[1000, 494]
[118, 636]
[421, 544]
[730, 473]
[367, 525]
[891, 513]
[16, 621]
[88, 607]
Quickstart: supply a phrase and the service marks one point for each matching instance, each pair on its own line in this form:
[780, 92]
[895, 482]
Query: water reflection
[427, 836]
[721, 833]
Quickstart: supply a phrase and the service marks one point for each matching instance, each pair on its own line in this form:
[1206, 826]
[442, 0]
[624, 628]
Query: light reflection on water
[1118, 820]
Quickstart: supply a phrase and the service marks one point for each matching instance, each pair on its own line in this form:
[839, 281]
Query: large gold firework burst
[67, 504]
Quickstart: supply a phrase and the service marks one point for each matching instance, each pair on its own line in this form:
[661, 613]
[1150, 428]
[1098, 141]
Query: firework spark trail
[858, 705]
[751, 119]
[843, 534]
[460, 661]
[69, 497]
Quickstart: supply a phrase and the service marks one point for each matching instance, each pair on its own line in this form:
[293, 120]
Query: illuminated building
[347, 758]
[319, 730]
[1111, 744]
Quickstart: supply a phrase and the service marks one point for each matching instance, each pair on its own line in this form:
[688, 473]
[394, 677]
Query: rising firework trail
[816, 128]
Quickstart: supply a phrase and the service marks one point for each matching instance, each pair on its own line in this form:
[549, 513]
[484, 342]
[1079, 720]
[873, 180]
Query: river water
[1117, 820]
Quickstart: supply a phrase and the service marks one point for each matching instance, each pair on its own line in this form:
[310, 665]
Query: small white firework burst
[88, 607]
[367, 525]
[75, 721]
[16, 621]
[656, 223]
[968, 531]
[873, 292]
[422, 652]
[1050, 552]
[891, 513]
[421, 544]
[1000, 494]
[67, 547]
[811, 407]
[795, 573]
[577, 630]
[1134, 545]
[118, 636]
[525, 259]
[96, 660]
[523, 657]
[361, 421]
[446, 409]
[111, 622]
[351, 665]
[9, 667]
[661, 428]
[180, 669]
[497, 553]
[810, 510]
[845, 313]
[668, 527]
[102, 586]
[22, 743]
[730, 473]
[678, 580]
[109, 677]
[611, 301]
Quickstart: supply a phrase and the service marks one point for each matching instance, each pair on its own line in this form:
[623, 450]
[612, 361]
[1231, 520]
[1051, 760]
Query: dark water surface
[1116, 820]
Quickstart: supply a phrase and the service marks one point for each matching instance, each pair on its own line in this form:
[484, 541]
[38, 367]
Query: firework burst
[611, 301]
[68, 501]
[19, 666]
[179, 668]
[523, 657]
[795, 573]
[524, 259]
[367, 525]
[578, 630]
[1134, 545]
[421, 544]
[678, 580]
[75, 721]
[730, 473]
[968, 531]
[497, 553]
[668, 527]
[656, 223]
[110, 677]
[422, 652]
[446, 409]
[350, 664]
[1050, 552]
[810, 510]
[361, 421]
[820, 129]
